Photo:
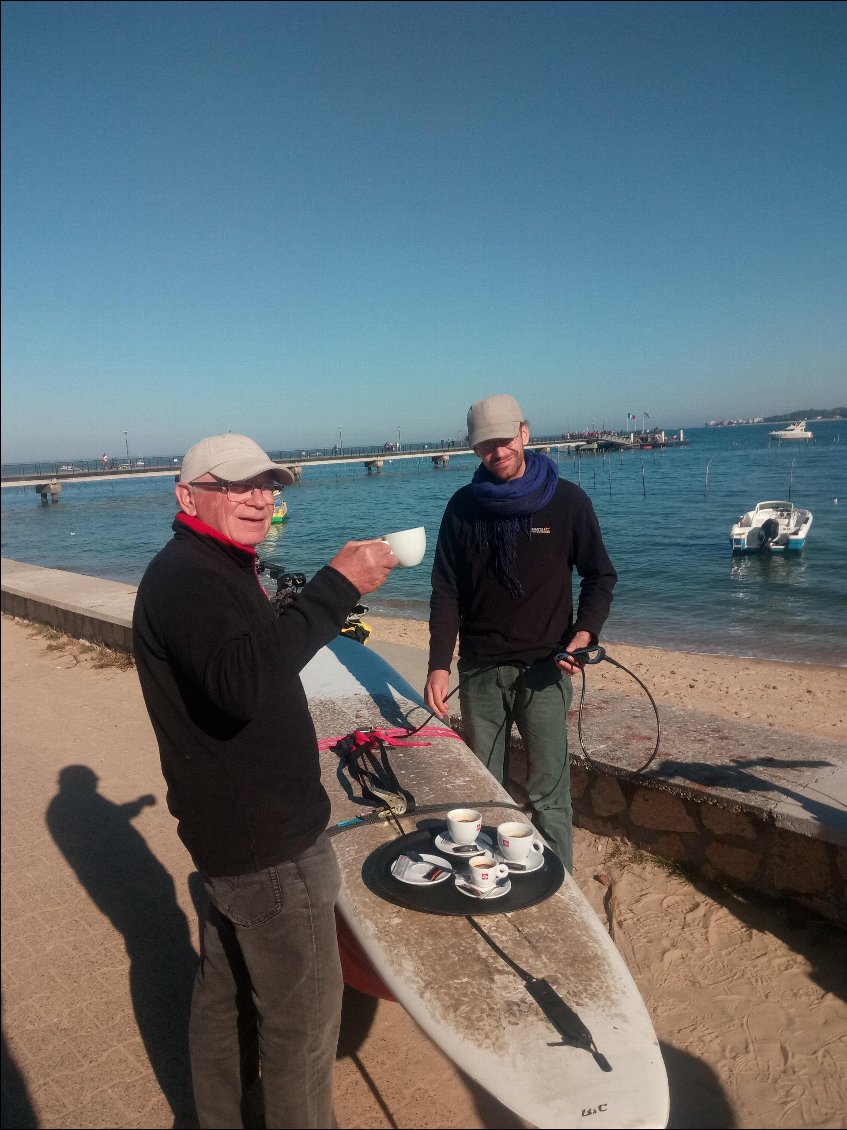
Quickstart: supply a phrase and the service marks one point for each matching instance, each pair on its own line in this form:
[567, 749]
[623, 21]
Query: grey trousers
[536, 699]
[269, 989]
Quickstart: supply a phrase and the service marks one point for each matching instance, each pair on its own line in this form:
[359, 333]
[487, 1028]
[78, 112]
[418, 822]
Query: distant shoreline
[767, 423]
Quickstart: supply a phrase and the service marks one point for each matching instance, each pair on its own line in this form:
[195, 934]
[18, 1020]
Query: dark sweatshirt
[492, 625]
[220, 673]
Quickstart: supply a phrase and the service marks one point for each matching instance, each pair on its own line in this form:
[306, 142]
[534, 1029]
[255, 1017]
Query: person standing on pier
[220, 672]
[502, 582]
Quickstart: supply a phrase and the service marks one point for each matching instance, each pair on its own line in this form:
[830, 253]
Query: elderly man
[220, 672]
[501, 581]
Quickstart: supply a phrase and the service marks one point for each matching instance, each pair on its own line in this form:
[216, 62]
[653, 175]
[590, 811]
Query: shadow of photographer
[136, 893]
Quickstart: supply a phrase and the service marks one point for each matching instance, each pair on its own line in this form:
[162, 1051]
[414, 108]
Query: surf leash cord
[597, 654]
[586, 656]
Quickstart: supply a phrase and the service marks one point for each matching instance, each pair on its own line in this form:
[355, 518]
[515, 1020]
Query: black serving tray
[444, 898]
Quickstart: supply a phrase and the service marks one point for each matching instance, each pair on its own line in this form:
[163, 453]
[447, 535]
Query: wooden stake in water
[791, 478]
[643, 482]
[706, 483]
[610, 478]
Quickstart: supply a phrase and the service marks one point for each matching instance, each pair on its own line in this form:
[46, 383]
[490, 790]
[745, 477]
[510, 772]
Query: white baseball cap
[495, 417]
[230, 457]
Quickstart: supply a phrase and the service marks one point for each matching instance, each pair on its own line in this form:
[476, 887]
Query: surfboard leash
[588, 656]
[597, 654]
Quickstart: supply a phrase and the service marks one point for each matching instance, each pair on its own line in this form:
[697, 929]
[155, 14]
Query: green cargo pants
[536, 699]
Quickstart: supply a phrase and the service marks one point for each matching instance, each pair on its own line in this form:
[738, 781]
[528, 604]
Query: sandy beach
[747, 996]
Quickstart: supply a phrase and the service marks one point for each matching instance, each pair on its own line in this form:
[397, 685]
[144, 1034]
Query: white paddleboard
[536, 1004]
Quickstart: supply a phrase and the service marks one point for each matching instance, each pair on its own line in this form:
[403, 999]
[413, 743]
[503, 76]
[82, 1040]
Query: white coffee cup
[464, 825]
[408, 546]
[517, 841]
[484, 871]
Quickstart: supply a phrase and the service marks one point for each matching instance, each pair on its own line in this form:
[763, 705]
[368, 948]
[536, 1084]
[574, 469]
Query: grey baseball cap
[230, 457]
[495, 417]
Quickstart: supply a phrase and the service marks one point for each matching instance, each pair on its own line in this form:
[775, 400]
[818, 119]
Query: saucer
[417, 870]
[534, 861]
[500, 888]
[444, 843]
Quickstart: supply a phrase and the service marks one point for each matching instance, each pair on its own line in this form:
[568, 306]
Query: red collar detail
[210, 532]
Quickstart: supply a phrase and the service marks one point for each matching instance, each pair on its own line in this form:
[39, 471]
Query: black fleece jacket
[492, 625]
[220, 673]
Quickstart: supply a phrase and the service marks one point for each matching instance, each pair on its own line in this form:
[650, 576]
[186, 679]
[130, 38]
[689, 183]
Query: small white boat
[793, 431]
[771, 526]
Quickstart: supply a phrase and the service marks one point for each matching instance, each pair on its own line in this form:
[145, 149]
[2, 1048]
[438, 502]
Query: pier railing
[69, 469]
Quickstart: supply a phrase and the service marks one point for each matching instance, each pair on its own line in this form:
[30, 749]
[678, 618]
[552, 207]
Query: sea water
[665, 516]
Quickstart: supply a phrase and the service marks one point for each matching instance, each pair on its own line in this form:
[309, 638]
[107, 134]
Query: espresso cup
[464, 825]
[484, 871]
[517, 841]
[408, 546]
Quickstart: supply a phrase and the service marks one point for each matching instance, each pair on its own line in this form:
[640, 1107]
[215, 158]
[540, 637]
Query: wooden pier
[372, 459]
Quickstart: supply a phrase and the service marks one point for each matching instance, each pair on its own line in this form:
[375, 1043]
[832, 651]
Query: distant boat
[771, 526]
[793, 431]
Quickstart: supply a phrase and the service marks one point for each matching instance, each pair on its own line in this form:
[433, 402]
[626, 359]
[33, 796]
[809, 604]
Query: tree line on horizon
[808, 414]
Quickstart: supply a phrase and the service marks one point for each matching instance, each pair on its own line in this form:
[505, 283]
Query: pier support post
[373, 465]
[52, 488]
[440, 462]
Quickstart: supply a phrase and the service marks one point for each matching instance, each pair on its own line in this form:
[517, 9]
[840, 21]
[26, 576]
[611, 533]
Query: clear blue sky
[286, 219]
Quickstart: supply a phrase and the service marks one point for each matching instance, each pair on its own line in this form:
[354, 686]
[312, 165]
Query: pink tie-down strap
[389, 737]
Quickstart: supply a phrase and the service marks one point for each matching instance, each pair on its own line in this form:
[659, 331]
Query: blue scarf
[507, 509]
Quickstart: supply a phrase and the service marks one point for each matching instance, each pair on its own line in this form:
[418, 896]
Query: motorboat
[793, 431]
[771, 526]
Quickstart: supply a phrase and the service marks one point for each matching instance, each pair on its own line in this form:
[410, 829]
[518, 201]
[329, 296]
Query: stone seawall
[718, 839]
[87, 608]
